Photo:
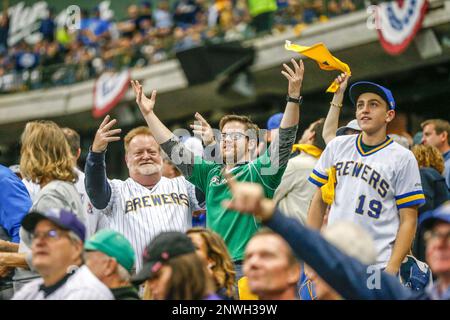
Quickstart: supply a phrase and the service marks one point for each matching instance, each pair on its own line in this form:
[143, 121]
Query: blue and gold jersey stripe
[317, 178]
[410, 199]
[368, 153]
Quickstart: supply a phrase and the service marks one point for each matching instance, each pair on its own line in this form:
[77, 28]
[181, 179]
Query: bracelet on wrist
[337, 105]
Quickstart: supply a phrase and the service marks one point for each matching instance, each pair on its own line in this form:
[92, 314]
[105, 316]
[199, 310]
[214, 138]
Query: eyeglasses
[51, 234]
[233, 135]
[435, 236]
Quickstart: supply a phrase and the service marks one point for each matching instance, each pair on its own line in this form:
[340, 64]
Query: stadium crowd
[151, 32]
[344, 213]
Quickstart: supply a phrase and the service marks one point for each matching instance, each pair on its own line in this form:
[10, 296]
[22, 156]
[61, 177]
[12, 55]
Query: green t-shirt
[236, 229]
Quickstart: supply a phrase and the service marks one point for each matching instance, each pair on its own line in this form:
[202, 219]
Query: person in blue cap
[370, 180]
[57, 255]
[273, 124]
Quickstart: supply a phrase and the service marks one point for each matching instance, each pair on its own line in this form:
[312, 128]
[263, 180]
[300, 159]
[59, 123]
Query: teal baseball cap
[112, 244]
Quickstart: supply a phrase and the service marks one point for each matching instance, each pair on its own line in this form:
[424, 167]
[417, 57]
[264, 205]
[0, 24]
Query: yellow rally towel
[328, 188]
[244, 290]
[323, 57]
[307, 148]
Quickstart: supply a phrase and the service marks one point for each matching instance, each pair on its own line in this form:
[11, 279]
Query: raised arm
[331, 121]
[291, 114]
[161, 133]
[96, 182]
[288, 126]
[202, 129]
[176, 151]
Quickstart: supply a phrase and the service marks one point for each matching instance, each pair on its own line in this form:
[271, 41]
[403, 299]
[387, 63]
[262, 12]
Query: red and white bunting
[109, 89]
[398, 23]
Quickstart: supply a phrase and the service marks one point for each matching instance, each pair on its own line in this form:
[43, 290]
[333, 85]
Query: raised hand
[248, 198]
[202, 128]
[145, 104]
[295, 78]
[342, 81]
[105, 135]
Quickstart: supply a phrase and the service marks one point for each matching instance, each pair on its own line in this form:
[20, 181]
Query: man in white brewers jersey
[378, 182]
[145, 204]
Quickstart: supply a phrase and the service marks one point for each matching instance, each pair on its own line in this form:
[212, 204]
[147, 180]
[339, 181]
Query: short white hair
[352, 240]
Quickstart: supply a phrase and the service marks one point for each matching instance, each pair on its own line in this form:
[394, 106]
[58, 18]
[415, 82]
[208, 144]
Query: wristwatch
[298, 100]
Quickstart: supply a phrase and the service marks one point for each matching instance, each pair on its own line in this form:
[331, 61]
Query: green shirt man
[236, 229]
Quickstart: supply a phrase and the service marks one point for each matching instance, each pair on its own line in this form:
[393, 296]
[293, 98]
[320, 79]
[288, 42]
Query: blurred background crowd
[151, 32]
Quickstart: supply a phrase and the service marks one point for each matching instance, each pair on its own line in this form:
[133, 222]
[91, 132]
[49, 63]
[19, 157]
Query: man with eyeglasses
[57, 248]
[237, 149]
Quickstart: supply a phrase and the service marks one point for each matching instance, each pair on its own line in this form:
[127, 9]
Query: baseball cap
[429, 218]
[112, 244]
[274, 121]
[415, 274]
[353, 124]
[63, 218]
[165, 246]
[361, 87]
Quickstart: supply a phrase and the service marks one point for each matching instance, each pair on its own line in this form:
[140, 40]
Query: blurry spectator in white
[163, 18]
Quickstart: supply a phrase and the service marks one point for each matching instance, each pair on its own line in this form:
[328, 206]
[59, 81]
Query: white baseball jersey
[371, 187]
[140, 214]
[83, 285]
[92, 218]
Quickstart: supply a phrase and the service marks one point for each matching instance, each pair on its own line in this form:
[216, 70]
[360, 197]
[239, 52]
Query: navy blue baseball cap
[429, 218]
[274, 121]
[361, 87]
[64, 219]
